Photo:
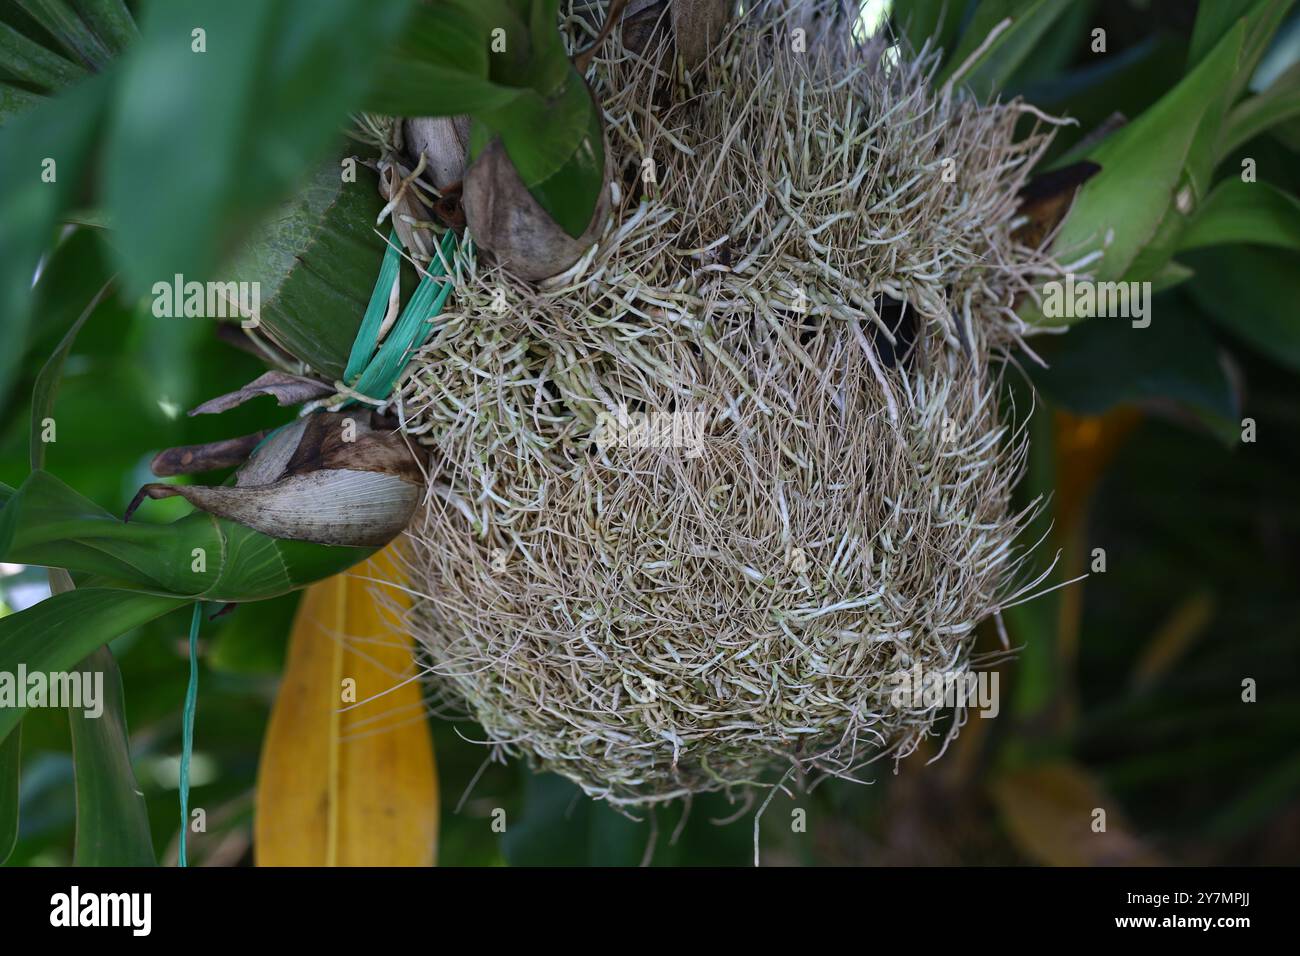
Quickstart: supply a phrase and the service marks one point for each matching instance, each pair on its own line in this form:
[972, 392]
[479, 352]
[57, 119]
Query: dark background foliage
[1127, 693]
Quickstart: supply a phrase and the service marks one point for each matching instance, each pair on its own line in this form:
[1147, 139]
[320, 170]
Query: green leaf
[32, 63]
[1238, 212]
[112, 819]
[14, 101]
[111, 21]
[1030, 20]
[11, 749]
[1277, 104]
[70, 30]
[64, 628]
[213, 138]
[46, 523]
[1106, 362]
[62, 129]
[1213, 20]
[560, 826]
[936, 20]
[442, 64]
[47, 382]
[1250, 291]
[1136, 228]
[530, 96]
[316, 262]
[1126, 83]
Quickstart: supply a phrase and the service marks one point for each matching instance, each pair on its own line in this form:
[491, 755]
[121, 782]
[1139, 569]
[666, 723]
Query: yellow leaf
[348, 779]
[1059, 815]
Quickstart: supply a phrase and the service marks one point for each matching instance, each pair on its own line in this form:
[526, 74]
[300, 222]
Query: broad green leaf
[198, 556]
[112, 820]
[316, 262]
[430, 89]
[70, 30]
[1238, 212]
[1109, 215]
[64, 628]
[530, 96]
[1030, 20]
[32, 63]
[1260, 25]
[213, 138]
[1125, 83]
[1277, 104]
[1251, 292]
[549, 65]
[61, 130]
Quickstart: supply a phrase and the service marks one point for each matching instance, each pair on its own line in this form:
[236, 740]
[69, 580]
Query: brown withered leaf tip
[1046, 200]
[210, 456]
[287, 390]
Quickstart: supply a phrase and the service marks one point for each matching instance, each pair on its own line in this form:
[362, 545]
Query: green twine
[187, 736]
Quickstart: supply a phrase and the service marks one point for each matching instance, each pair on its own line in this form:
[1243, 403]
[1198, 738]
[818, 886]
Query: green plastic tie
[373, 368]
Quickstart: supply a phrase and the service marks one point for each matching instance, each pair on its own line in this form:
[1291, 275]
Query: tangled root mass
[810, 273]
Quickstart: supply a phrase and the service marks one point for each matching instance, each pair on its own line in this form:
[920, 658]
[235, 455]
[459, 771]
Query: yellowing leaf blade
[348, 780]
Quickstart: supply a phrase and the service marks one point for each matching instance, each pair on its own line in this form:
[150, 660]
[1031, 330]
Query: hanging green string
[187, 733]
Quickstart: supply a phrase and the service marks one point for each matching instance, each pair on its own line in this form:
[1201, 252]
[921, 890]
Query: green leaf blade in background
[440, 66]
[1174, 361]
[62, 630]
[1275, 105]
[936, 20]
[112, 827]
[111, 21]
[1237, 212]
[46, 523]
[1213, 20]
[14, 101]
[1251, 292]
[70, 30]
[1030, 21]
[11, 749]
[28, 61]
[62, 129]
[112, 819]
[1109, 216]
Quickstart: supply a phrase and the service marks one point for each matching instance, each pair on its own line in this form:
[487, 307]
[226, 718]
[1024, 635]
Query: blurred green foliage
[1132, 677]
